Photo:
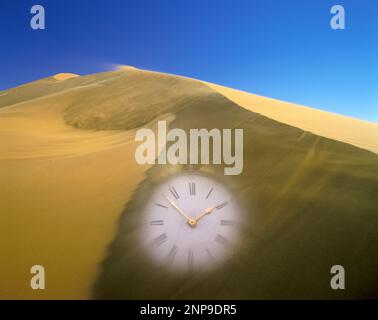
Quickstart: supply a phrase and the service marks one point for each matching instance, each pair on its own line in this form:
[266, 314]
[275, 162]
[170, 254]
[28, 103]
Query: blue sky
[281, 49]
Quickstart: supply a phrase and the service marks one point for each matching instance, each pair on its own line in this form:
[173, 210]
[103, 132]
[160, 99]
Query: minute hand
[177, 208]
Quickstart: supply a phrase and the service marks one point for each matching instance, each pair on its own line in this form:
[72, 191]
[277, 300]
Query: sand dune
[70, 186]
[356, 132]
[61, 192]
[64, 76]
[45, 135]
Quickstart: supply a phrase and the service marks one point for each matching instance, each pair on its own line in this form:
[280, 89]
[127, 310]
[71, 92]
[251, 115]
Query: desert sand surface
[70, 189]
[61, 192]
[64, 76]
[362, 134]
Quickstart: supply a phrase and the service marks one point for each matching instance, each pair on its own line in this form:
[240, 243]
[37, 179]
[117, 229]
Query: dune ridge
[362, 134]
[68, 179]
[65, 76]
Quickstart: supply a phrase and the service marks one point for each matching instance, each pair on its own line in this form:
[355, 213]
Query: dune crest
[126, 67]
[65, 76]
[69, 179]
[349, 130]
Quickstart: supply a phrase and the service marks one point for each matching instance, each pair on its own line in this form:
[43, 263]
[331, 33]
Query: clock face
[191, 223]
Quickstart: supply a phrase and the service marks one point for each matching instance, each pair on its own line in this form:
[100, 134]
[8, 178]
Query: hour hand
[207, 211]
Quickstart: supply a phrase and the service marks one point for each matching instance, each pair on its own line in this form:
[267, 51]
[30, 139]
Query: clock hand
[207, 211]
[190, 221]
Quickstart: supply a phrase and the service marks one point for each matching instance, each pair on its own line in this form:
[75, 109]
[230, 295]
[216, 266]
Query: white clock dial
[191, 223]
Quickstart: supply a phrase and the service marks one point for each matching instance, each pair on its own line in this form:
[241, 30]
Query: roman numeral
[192, 188]
[159, 240]
[227, 222]
[171, 255]
[222, 240]
[174, 193]
[161, 205]
[208, 195]
[220, 206]
[190, 259]
[157, 222]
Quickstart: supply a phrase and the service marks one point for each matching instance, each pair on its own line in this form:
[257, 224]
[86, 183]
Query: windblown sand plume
[68, 179]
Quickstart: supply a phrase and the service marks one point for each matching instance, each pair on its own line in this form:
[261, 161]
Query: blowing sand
[356, 132]
[64, 76]
[67, 175]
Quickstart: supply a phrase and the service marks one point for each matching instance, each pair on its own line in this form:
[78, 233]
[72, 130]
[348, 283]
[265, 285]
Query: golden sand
[61, 192]
[64, 76]
[67, 170]
[362, 134]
